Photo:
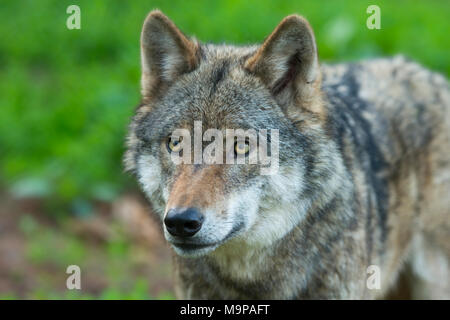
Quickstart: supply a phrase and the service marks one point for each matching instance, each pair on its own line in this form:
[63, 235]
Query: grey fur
[364, 170]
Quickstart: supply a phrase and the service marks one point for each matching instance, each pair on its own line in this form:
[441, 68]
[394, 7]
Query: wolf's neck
[239, 260]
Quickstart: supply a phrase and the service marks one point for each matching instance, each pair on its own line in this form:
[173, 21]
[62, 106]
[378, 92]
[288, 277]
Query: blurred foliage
[66, 96]
[50, 250]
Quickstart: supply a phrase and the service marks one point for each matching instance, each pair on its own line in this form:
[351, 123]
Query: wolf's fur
[364, 176]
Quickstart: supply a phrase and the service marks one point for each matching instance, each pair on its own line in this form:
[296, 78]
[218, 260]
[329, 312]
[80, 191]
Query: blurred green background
[66, 97]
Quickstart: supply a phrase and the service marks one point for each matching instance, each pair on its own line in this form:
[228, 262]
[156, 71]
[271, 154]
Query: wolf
[363, 183]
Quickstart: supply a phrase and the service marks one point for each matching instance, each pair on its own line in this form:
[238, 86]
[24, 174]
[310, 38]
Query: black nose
[183, 222]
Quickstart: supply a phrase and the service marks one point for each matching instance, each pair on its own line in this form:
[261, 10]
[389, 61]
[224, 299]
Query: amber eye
[174, 145]
[241, 148]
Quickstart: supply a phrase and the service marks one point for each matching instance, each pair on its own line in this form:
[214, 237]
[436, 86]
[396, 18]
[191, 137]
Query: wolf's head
[275, 86]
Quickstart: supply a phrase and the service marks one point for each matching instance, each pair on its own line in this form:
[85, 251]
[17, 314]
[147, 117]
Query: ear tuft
[166, 52]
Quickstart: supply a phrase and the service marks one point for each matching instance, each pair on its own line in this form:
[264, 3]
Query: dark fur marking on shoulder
[348, 106]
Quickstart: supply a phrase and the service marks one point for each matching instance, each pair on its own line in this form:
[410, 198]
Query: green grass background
[66, 95]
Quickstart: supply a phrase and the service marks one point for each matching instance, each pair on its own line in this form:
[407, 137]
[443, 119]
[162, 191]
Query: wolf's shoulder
[396, 100]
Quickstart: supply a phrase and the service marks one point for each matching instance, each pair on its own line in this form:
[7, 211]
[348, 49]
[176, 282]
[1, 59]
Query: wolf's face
[203, 204]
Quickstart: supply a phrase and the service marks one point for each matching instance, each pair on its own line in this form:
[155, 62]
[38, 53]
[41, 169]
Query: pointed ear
[287, 61]
[166, 52]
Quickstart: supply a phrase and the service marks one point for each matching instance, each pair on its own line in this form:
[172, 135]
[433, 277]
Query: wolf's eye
[241, 148]
[174, 145]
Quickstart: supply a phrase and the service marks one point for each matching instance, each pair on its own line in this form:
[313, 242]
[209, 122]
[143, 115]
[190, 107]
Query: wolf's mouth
[193, 250]
[192, 246]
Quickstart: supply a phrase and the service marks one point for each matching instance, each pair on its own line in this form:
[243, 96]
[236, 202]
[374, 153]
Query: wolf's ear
[287, 61]
[166, 52]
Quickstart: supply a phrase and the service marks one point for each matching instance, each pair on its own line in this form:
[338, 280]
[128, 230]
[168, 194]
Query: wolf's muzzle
[183, 222]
